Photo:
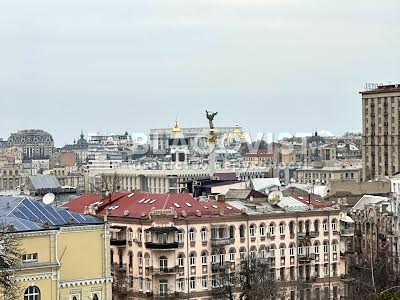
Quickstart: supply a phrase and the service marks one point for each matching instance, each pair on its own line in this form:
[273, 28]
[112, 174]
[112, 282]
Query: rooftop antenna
[48, 198]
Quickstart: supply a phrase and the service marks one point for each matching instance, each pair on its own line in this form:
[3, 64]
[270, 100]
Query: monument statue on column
[210, 116]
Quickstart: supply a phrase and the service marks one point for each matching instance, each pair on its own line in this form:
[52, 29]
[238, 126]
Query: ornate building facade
[36, 144]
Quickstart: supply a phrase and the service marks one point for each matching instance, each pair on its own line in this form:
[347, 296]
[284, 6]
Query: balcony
[162, 246]
[347, 232]
[307, 235]
[306, 258]
[164, 271]
[119, 242]
[218, 242]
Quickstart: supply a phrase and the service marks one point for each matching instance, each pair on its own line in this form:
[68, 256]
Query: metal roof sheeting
[42, 182]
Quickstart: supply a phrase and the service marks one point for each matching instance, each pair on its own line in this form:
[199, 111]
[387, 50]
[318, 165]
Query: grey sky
[116, 65]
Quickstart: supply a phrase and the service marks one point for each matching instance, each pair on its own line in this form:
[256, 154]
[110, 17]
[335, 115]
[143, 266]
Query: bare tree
[10, 262]
[374, 277]
[251, 280]
[111, 183]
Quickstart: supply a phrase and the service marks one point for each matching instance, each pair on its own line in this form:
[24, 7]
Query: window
[163, 287]
[242, 253]
[221, 258]
[325, 226]
[203, 234]
[29, 257]
[291, 250]
[334, 225]
[180, 261]
[192, 259]
[291, 227]
[180, 237]
[192, 283]
[316, 225]
[140, 259]
[325, 247]
[95, 296]
[32, 293]
[334, 247]
[204, 258]
[213, 281]
[232, 232]
[213, 258]
[272, 229]
[181, 284]
[204, 282]
[262, 229]
[163, 262]
[232, 255]
[316, 248]
[252, 230]
[282, 250]
[282, 228]
[191, 235]
[241, 231]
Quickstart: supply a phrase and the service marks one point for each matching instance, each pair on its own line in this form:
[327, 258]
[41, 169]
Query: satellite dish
[49, 198]
[275, 197]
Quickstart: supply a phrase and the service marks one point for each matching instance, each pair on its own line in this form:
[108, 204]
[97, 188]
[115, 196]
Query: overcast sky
[131, 65]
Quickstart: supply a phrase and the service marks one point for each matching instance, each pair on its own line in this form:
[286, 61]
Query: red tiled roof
[78, 204]
[139, 205]
[314, 202]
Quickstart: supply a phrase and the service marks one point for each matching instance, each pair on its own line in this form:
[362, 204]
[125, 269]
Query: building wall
[380, 111]
[142, 274]
[72, 261]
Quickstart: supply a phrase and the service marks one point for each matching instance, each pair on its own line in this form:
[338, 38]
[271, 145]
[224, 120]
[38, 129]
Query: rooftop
[28, 214]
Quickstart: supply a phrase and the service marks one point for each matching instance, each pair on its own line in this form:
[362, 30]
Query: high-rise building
[380, 110]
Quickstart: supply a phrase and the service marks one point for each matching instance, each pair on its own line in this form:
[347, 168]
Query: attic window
[228, 207]
[130, 195]
[153, 200]
[215, 206]
[177, 205]
[141, 200]
[188, 204]
[146, 201]
[205, 206]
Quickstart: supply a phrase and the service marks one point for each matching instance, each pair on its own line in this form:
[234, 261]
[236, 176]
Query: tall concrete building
[380, 110]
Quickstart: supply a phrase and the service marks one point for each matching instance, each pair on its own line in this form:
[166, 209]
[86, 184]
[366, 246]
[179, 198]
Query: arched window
[112, 256]
[325, 225]
[252, 230]
[242, 253]
[316, 247]
[253, 252]
[140, 259]
[334, 246]
[163, 262]
[32, 293]
[272, 248]
[307, 225]
[262, 229]
[282, 248]
[221, 256]
[181, 262]
[291, 227]
[203, 234]
[282, 228]
[292, 246]
[272, 229]
[147, 259]
[191, 235]
[301, 226]
[316, 225]
[204, 256]
[232, 254]
[130, 258]
[232, 232]
[326, 244]
[192, 259]
[334, 225]
[95, 296]
[241, 231]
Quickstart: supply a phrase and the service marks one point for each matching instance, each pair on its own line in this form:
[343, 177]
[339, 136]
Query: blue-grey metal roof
[27, 214]
[41, 182]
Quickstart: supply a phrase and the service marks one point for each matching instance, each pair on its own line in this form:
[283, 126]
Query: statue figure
[210, 117]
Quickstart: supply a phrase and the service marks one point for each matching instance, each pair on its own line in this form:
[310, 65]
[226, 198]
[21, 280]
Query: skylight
[177, 205]
[215, 206]
[188, 204]
[153, 200]
[130, 195]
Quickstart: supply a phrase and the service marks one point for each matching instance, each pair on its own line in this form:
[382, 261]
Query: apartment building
[173, 244]
[380, 115]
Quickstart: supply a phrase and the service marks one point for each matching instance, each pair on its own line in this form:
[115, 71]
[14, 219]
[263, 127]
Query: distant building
[36, 144]
[318, 173]
[65, 255]
[381, 126]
